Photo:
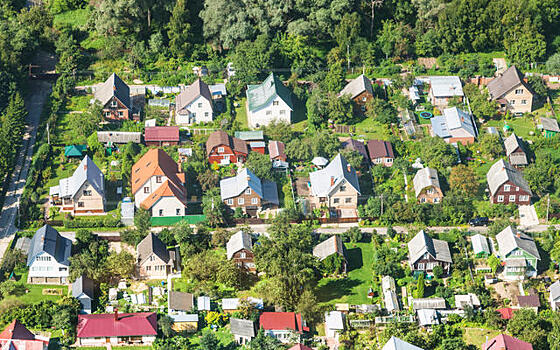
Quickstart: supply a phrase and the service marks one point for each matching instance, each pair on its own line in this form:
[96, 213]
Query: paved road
[39, 90]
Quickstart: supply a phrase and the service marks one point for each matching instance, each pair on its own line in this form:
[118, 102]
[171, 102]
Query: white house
[194, 104]
[334, 324]
[48, 257]
[268, 101]
[555, 296]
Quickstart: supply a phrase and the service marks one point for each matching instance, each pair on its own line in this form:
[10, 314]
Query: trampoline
[426, 115]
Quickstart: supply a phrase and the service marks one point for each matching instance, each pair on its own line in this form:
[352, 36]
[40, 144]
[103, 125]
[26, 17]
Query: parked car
[479, 221]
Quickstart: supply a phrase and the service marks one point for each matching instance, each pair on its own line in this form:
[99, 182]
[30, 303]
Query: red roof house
[284, 326]
[380, 152]
[506, 313]
[505, 342]
[161, 135]
[223, 149]
[134, 328]
[300, 347]
[16, 337]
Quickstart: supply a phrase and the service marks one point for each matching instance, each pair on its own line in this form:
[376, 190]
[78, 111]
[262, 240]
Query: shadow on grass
[336, 288]
[355, 259]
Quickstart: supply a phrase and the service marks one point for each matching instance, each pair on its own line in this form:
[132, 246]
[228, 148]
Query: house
[194, 104]
[117, 329]
[507, 185]
[253, 139]
[515, 151]
[179, 302]
[269, 101]
[530, 301]
[425, 253]
[511, 91]
[161, 136]
[554, 296]
[519, 253]
[277, 153]
[287, 327]
[75, 151]
[239, 248]
[333, 245]
[454, 125]
[243, 330]
[17, 337]
[427, 317]
[506, 342]
[231, 305]
[114, 96]
[48, 257]
[158, 184]
[335, 323]
[184, 322]
[350, 144]
[428, 303]
[83, 193]
[426, 186]
[154, 261]
[380, 152]
[480, 246]
[359, 90]
[550, 127]
[248, 192]
[223, 149]
[83, 289]
[444, 88]
[391, 301]
[395, 343]
[218, 91]
[335, 187]
[466, 300]
[110, 138]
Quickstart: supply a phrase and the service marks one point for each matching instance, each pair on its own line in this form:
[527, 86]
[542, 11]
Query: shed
[480, 246]
[74, 150]
[185, 322]
[428, 303]
[203, 303]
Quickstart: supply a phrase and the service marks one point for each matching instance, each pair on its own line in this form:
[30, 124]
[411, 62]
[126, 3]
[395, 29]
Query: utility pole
[348, 55]
[547, 207]
[48, 134]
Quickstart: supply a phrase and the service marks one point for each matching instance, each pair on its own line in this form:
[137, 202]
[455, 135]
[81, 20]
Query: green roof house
[518, 253]
[268, 101]
[550, 127]
[74, 150]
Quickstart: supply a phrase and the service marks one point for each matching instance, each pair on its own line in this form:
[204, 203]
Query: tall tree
[179, 30]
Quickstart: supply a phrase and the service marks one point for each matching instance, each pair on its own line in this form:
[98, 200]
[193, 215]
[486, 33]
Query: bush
[92, 223]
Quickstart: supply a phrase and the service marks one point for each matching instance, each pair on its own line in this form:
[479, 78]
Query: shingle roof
[428, 303]
[398, 344]
[550, 124]
[232, 187]
[152, 244]
[480, 244]
[422, 243]
[379, 149]
[84, 285]
[357, 86]
[161, 133]
[425, 177]
[113, 86]
[506, 342]
[220, 137]
[512, 143]
[261, 95]
[355, 145]
[446, 86]
[180, 301]
[499, 86]
[324, 181]
[48, 240]
[453, 123]
[500, 172]
[240, 240]
[86, 171]
[510, 238]
[154, 163]
[245, 328]
[528, 300]
[105, 325]
[329, 247]
[555, 290]
[191, 93]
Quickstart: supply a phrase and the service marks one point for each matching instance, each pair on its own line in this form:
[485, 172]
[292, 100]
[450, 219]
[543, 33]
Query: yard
[372, 129]
[478, 336]
[35, 291]
[241, 113]
[521, 126]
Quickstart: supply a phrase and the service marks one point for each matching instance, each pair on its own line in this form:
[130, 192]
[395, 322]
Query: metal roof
[427, 317]
[446, 86]
[113, 87]
[256, 135]
[510, 79]
[425, 177]
[357, 86]
[191, 93]
[555, 290]
[428, 303]
[480, 244]
[339, 171]
[86, 171]
[391, 301]
[234, 186]
[422, 243]
[119, 136]
[329, 247]
[245, 328]
[395, 343]
[501, 172]
[49, 241]
[259, 96]
[83, 285]
[180, 301]
[453, 123]
[334, 320]
[550, 124]
[240, 240]
[152, 244]
[512, 143]
[510, 238]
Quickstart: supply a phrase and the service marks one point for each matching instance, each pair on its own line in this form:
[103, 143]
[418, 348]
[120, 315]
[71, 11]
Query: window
[422, 200]
[512, 198]
[113, 103]
[364, 99]
[436, 200]
[336, 200]
[230, 201]
[268, 112]
[507, 188]
[158, 179]
[519, 91]
[161, 212]
[148, 268]
[523, 102]
[151, 258]
[199, 105]
[275, 103]
[363, 108]
[240, 201]
[178, 211]
[282, 111]
[120, 113]
[146, 189]
[206, 114]
[342, 188]
[420, 266]
[107, 114]
[80, 204]
[500, 199]
[87, 193]
[430, 191]
[389, 160]
[512, 102]
[517, 189]
[220, 150]
[248, 190]
[254, 201]
[348, 200]
[524, 198]
[242, 255]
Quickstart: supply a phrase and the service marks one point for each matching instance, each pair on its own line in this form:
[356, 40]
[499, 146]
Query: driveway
[528, 216]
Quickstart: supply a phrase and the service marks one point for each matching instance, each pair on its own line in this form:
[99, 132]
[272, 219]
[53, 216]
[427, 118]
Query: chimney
[349, 168]
[518, 235]
[116, 313]
[332, 180]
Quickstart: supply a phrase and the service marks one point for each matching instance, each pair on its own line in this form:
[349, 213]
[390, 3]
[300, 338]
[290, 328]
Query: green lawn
[79, 103]
[477, 336]
[522, 126]
[35, 293]
[223, 334]
[241, 114]
[75, 18]
[372, 129]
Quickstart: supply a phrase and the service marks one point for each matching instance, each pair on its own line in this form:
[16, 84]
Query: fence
[171, 220]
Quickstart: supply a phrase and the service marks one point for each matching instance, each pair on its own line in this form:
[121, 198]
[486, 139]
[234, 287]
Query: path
[39, 90]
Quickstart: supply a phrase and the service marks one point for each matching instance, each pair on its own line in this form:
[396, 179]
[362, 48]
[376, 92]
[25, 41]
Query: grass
[477, 336]
[74, 18]
[79, 103]
[522, 126]
[372, 129]
[223, 334]
[35, 293]
[241, 114]
[119, 347]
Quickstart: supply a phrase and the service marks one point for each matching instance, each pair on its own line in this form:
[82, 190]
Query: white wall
[139, 196]
[169, 205]
[48, 268]
[197, 114]
[265, 115]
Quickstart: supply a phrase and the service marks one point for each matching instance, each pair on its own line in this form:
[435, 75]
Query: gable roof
[84, 285]
[74, 150]
[245, 328]
[422, 243]
[180, 301]
[501, 172]
[380, 149]
[48, 240]
[550, 124]
[506, 342]
[329, 247]
[166, 189]
[554, 290]
[357, 86]
[512, 143]
[232, 187]
[334, 320]
[113, 87]
[355, 145]
[510, 238]
[454, 122]
[282, 321]
[16, 330]
[324, 181]
[501, 85]
[261, 95]
[446, 86]
[395, 343]
[105, 325]
[156, 162]
[480, 244]
[88, 171]
[191, 93]
[425, 177]
[152, 244]
[240, 240]
[300, 346]
[161, 133]
[276, 149]
[220, 137]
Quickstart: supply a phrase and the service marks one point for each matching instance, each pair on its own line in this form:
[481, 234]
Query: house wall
[153, 268]
[265, 115]
[285, 336]
[515, 100]
[462, 140]
[120, 112]
[185, 326]
[531, 260]
[241, 340]
[247, 201]
[518, 157]
[102, 341]
[434, 197]
[338, 198]
[94, 204]
[361, 100]
[386, 161]
[161, 143]
[245, 258]
[168, 206]
[152, 184]
[442, 101]
[427, 264]
[513, 191]
[216, 156]
[200, 112]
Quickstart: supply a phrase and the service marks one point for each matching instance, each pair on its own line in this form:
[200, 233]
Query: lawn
[35, 293]
[522, 126]
[223, 334]
[352, 289]
[79, 103]
[75, 18]
[372, 129]
[477, 336]
[241, 114]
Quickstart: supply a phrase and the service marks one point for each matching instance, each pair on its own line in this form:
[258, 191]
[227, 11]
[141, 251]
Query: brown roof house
[426, 186]
[355, 145]
[154, 261]
[507, 184]
[277, 151]
[425, 253]
[114, 95]
[380, 152]
[530, 301]
[515, 151]
[331, 246]
[239, 248]
[161, 135]
[194, 104]
[359, 90]
[224, 149]
[511, 91]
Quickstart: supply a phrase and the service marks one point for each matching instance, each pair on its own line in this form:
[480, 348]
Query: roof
[180, 301]
[320, 161]
[184, 318]
[554, 290]
[105, 325]
[191, 93]
[501, 85]
[446, 86]
[464, 300]
[425, 177]
[329, 247]
[240, 240]
[380, 149]
[276, 149]
[23, 244]
[454, 122]
[74, 150]
[16, 330]
[233, 303]
[83, 285]
[86, 171]
[166, 189]
[388, 283]
[512, 143]
[355, 145]
[156, 162]
[218, 89]
[395, 343]
[506, 342]
[300, 346]
[256, 135]
[427, 317]
[501, 172]
[356, 86]
[119, 136]
[161, 133]
[334, 320]
[391, 301]
[506, 313]
[480, 244]
[422, 243]
[528, 300]
[338, 172]
[282, 321]
[550, 124]
[152, 245]
[234, 186]
[245, 328]
[48, 240]
[113, 87]
[261, 95]
[428, 303]
[220, 137]
[510, 239]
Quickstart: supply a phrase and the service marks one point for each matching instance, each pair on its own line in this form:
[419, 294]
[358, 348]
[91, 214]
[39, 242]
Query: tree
[481, 104]
[553, 64]
[346, 32]
[355, 158]
[165, 325]
[264, 342]
[554, 334]
[317, 108]
[381, 111]
[121, 265]
[209, 179]
[463, 180]
[299, 150]
[142, 221]
[527, 326]
[260, 165]
[209, 267]
[253, 60]
[490, 146]
[526, 45]
[209, 341]
[437, 153]
[493, 263]
[334, 80]
[437, 271]
[278, 131]
[226, 22]
[339, 108]
[419, 292]
[538, 85]
[179, 30]
[214, 209]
